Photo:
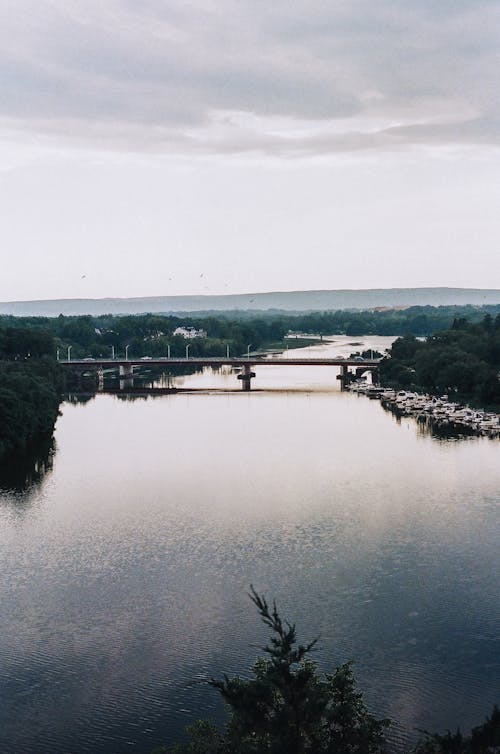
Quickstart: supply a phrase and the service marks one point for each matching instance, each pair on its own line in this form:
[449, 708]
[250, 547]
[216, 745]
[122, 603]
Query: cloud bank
[233, 76]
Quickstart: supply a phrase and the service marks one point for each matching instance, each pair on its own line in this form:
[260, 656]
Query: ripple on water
[124, 575]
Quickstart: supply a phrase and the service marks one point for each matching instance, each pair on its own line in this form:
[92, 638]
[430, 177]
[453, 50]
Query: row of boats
[441, 411]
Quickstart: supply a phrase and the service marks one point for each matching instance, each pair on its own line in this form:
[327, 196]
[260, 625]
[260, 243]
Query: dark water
[124, 569]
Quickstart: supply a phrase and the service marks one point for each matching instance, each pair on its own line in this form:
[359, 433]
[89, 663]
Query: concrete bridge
[349, 368]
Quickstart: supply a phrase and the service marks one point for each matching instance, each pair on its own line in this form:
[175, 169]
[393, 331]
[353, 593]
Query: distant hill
[290, 301]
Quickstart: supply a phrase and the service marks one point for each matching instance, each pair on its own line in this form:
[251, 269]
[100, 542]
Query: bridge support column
[345, 376]
[126, 370]
[246, 377]
[126, 376]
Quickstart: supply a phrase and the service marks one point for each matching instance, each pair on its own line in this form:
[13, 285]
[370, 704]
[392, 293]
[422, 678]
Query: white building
[190, 332]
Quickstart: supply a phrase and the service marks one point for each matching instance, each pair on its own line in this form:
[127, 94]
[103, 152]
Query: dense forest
[463, 361]
[151, 334]
[30, 387]
[417, 320]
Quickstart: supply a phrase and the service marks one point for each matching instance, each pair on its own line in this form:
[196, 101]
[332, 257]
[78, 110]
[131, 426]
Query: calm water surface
[124, 570]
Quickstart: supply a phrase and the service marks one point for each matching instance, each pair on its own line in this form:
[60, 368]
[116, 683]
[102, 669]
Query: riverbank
[462, 363]
[437, 410]
[30, 394]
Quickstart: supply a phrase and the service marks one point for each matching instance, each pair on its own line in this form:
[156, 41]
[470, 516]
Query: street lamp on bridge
[248, 350]
[187, 350]
[126, 352]
[69, 352]
[112, 352]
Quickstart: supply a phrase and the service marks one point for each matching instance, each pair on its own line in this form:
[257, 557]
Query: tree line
[30, 387]
[462, 361]
[417, 320]
[153, 334]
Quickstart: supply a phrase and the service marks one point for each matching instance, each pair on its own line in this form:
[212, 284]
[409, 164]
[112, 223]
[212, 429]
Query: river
[125, 567]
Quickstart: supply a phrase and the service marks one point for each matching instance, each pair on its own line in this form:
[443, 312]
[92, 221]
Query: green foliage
[287, 706]
[417, 320]
[485, 739]
[203, 738]
[30, 387]
[151, 334]
[25, 342]
[463, 362]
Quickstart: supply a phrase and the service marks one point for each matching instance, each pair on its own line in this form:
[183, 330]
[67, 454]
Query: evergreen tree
[287, 706]
[485, 739]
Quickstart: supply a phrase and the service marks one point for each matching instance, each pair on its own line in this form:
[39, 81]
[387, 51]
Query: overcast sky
[162, 147]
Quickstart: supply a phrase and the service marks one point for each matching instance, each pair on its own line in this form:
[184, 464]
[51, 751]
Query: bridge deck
[218, 361]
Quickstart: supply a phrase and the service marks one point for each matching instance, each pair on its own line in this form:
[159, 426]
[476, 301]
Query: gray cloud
[238, 76]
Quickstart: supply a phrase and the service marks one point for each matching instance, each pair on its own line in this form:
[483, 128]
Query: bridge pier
[126, 376]
[345, 376]
[126, 370]
[348, 367]
[246, 377]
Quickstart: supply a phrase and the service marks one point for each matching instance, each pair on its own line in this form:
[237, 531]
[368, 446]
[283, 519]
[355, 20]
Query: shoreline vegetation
[151, 334]
[448, 381]
[462, 361]
[30, 391]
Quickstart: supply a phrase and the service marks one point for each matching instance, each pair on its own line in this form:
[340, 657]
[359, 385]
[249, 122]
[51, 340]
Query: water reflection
[80, 398]
[428, 426]
[225, 377]
[125, 582]
[22, 471]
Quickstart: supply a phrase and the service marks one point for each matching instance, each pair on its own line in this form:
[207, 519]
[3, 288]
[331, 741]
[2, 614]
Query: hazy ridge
[299, 301]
